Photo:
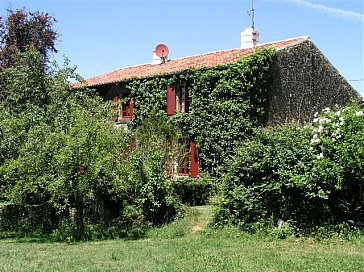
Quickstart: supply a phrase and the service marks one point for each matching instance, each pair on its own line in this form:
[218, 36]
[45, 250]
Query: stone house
[304, 82]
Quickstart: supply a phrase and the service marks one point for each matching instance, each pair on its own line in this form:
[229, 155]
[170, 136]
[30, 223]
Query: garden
[269, 198]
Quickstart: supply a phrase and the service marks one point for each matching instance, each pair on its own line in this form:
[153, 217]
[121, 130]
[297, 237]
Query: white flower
[315, 120]
[324, 120]
[315, 141]
[316, 114]
[320, 157]
[326, 109]
[337, 113]
[314, 136]
[359, 113]
[342, 121]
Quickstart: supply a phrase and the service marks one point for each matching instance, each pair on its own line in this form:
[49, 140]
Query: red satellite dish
[161, 50]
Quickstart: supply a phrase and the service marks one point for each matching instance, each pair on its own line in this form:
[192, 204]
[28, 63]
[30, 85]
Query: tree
[22, 30]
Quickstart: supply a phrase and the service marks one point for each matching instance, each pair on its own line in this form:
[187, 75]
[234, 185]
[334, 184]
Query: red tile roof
[172, 66]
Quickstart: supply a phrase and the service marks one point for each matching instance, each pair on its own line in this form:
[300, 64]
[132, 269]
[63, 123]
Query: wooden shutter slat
[131, 108]
[194, 166]
[186, 96]
[115, 99]
[171, 100]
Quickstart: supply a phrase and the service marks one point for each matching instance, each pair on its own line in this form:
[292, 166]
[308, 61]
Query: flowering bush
[309, 177]
[338, 173]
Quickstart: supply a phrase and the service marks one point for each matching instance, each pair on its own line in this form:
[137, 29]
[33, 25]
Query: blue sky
[103, 35]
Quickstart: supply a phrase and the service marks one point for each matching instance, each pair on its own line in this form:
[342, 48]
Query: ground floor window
[124, 107]
[188, 165]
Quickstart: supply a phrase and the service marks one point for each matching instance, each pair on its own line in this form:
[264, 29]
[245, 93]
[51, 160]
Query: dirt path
[199, 217]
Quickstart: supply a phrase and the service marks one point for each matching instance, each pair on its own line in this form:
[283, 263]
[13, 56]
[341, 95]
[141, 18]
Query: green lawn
[184, 246]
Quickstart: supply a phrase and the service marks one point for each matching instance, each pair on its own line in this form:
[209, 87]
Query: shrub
[28, 218]
[193, 191]
[309, 177]
[259, 184]
[338, 173]
[65, 153]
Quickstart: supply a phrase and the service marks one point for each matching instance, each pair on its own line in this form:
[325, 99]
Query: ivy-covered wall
[304, 82]
[225, 104]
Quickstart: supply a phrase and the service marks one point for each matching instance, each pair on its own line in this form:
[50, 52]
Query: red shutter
[131, 108]
[115, 99]
[186, 96]
[194, 166]
[171, 100]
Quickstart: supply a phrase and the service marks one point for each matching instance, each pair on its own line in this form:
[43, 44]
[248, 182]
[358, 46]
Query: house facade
[302, 82]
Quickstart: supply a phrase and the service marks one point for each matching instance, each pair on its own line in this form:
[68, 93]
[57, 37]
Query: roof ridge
[208, 53]
[205, 59]
[306, 37]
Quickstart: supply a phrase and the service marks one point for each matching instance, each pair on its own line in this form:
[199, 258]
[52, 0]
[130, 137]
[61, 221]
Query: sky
[99, 36]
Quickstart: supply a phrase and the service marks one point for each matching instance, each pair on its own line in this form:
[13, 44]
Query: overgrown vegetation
[298, 178]
[61, 154]
[224, 105]
[62, 157]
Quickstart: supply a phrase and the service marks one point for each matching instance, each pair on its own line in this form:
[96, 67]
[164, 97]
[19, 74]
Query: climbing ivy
[225, 104]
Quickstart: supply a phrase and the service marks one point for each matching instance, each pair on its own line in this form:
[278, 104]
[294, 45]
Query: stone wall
[304, 82]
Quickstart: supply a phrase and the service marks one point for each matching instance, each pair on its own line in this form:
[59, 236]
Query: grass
[185, 245]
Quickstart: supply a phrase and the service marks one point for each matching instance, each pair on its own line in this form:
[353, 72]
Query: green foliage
[304, 177]
[338, 173]
[225, 104]
[260, 186]
[150, 98]
[21, 30]
[193, 191]
[36, 219]
[156, 151]
[60, 149]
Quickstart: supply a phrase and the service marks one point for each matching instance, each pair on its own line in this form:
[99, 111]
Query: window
[125, 109]
[177, 98]
[189, 165]
[184, 165]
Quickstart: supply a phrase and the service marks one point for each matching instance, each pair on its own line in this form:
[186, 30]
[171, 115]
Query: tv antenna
[251, 12]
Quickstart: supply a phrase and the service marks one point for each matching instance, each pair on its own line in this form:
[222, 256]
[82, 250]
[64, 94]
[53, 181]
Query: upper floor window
[177, 98]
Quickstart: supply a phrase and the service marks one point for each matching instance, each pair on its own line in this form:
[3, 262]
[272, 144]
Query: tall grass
[186, 245]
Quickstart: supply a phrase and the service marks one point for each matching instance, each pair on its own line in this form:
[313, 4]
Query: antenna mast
[253, 14]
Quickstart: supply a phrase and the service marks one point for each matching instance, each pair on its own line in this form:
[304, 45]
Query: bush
[69, 156]
[194, 192]
[28, 219]
[309, 177]
[338, 172]
[156, 149]
[259, 186]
